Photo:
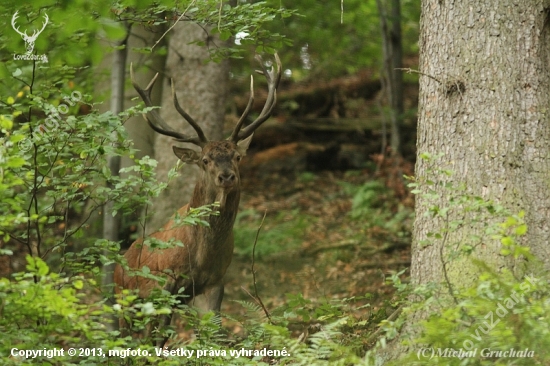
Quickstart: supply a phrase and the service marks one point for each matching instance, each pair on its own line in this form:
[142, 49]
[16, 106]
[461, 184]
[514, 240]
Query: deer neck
[221, 225]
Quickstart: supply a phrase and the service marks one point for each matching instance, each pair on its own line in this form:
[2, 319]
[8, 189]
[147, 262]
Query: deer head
[29, 40]
[218, 160]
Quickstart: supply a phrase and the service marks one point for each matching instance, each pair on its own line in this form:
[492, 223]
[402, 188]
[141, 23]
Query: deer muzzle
[226, 179]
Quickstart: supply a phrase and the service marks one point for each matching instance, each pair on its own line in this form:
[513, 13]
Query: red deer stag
[198, 266]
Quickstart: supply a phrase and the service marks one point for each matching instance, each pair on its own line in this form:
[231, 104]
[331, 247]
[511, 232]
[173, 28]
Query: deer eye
[205, 161]
[238, 158]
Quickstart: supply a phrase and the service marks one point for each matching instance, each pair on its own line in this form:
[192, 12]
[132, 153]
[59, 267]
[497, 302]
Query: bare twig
[444, 263]
[450, 86]
[173, 25]
[408, 70]
[392, 317]
[341, 245]
[256, 296]
[385, 264]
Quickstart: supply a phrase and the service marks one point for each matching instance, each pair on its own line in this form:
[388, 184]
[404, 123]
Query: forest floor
[326, 235]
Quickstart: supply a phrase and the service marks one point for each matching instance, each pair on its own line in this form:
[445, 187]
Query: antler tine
[239, 125]
[201, 139]
[16, 28]
[45, 23]
[36, 32]
[153, 117]
[273, 78]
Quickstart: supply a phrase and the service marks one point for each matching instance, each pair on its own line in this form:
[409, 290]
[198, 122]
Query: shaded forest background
[323, 158]
[324, 230]
[337, 211]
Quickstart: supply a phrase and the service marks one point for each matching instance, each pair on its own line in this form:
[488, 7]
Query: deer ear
[188, 156]
[242, 146]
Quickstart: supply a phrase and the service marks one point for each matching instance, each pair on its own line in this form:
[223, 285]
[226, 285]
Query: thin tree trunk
[111, 225]
[393, 54]
[145, 65]
[396, 74]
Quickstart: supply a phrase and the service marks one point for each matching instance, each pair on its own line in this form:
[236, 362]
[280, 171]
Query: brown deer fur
[199, 266]
[207, 250]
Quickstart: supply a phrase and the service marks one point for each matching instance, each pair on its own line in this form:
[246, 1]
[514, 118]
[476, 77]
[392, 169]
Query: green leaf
[16, 162]
[225, 35]
[507, 241]
[6, 123]
[37, 265]
[114, 30]
[521, 230]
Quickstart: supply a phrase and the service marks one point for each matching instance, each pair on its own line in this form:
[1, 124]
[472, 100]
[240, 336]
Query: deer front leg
[214, 296]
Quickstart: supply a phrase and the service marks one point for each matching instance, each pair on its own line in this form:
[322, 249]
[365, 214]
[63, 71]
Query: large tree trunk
[202, 89]
[488, 113]
[484, 104]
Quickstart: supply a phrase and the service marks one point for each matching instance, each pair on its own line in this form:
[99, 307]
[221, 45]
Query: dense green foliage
[495, 316]
[334, 38]
[55, 181]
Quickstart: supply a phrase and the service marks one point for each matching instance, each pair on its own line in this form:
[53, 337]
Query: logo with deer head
[29, 39]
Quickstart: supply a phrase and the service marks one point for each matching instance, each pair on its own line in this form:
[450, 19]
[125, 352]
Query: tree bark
[111, 225]
[484, 103]
[146, 65]
[112, 73]
[202, 88]
[397, 102]
[488, 114]
[390, 26]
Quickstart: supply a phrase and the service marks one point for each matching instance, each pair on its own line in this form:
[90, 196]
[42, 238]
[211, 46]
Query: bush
[54, 182]
[498, 317]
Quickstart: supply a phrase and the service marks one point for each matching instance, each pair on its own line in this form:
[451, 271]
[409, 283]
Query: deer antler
[202, 138]
[37, 32]
[13, 19]
[273, 78]
[156, 122]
